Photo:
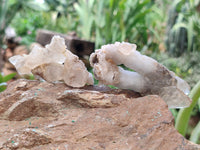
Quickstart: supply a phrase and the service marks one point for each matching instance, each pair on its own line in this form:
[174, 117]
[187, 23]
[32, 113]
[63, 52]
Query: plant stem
[195, 133]
[185, 113]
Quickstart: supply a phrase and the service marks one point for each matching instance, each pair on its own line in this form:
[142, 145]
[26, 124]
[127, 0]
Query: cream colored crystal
[75, 72]
[53, 63]
[51, 72]
[54, 52]
[149, 77]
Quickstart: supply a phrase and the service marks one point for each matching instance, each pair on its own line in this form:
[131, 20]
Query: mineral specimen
[148, 77]
[53, 63]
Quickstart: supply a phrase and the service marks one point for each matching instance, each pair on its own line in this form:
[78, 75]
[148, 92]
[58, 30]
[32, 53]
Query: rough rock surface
[43, 116]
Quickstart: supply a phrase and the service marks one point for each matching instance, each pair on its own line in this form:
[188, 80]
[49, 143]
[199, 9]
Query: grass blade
[195, 134]
[8, 77]
[184, 114]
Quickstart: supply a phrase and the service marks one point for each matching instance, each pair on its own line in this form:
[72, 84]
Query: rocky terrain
[45, 116]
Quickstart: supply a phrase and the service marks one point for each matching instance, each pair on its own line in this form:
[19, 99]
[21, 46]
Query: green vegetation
[119, 20]
[166, 31]
[184, 114]
[184, 27]
[9, 9]
[4, 79]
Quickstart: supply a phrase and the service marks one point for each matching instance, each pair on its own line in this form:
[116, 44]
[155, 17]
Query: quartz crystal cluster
[53, 63]
[148, 77]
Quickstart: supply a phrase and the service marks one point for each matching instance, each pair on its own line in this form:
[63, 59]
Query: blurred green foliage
[9, 9]
[53, 15]
[120, 20]
[183, 27]
[187, 66]
[138, 21]
[26, 25]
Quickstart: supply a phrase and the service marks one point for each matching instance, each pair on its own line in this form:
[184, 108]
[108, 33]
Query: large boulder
[40, 115]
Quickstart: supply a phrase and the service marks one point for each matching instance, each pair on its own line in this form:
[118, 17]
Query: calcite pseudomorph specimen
[148, 77]
[53, 63]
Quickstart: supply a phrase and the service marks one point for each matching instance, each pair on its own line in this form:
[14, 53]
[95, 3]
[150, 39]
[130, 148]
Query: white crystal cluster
[53, 63]
[148, 77]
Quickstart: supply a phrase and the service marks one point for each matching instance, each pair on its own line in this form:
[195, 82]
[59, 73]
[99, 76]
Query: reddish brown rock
[39, 115]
